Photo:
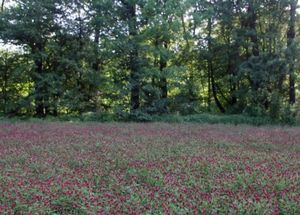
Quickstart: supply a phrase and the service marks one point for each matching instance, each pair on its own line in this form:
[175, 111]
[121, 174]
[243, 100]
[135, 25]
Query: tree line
[149, 56]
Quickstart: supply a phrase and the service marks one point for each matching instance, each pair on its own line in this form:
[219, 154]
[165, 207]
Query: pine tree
[31, 24]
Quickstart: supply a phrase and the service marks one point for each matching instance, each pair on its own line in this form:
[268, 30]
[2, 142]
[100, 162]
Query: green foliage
[101, 60]
[140, 116]
[229, 119]
[101, 117]
[288, 116]
[15, 84]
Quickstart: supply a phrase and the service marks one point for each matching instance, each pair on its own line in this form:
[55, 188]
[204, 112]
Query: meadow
[148, 168]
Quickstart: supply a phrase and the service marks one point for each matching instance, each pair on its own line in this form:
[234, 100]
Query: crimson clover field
[155, 168]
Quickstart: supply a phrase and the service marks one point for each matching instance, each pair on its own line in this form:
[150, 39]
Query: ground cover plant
[149, 168]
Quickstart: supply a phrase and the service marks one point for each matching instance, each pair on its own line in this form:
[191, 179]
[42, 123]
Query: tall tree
[31, 24]
[131, 17]
[210, 66]
[151, 56]
[291, 50]
[2, 5]
[251, 23]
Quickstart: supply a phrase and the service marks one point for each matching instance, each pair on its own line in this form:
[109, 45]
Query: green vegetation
[148, 168]
[144, 59]
[204, 118]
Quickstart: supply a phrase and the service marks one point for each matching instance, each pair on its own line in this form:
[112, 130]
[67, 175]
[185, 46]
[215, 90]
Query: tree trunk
[133, 57]
[209, 91]
[291, 54]
[252, 27]
[39, 89]
[2, 5]
[96, 42]
[233, 61]
[210, 67]
[39, 84]
[92, 87]
[214, 90]
[163, 79]
[4, 90]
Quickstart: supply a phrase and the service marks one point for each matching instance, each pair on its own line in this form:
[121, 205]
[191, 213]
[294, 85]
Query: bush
[171, 118]
[140, 116]
[101, 117]
[288, 116]
[227, 119]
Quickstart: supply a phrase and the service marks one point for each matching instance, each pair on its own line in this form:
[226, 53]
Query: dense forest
[149, 57]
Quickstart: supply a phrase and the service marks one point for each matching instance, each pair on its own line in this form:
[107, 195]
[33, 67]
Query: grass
[218, 119]
[148, 168]
[204, 118]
